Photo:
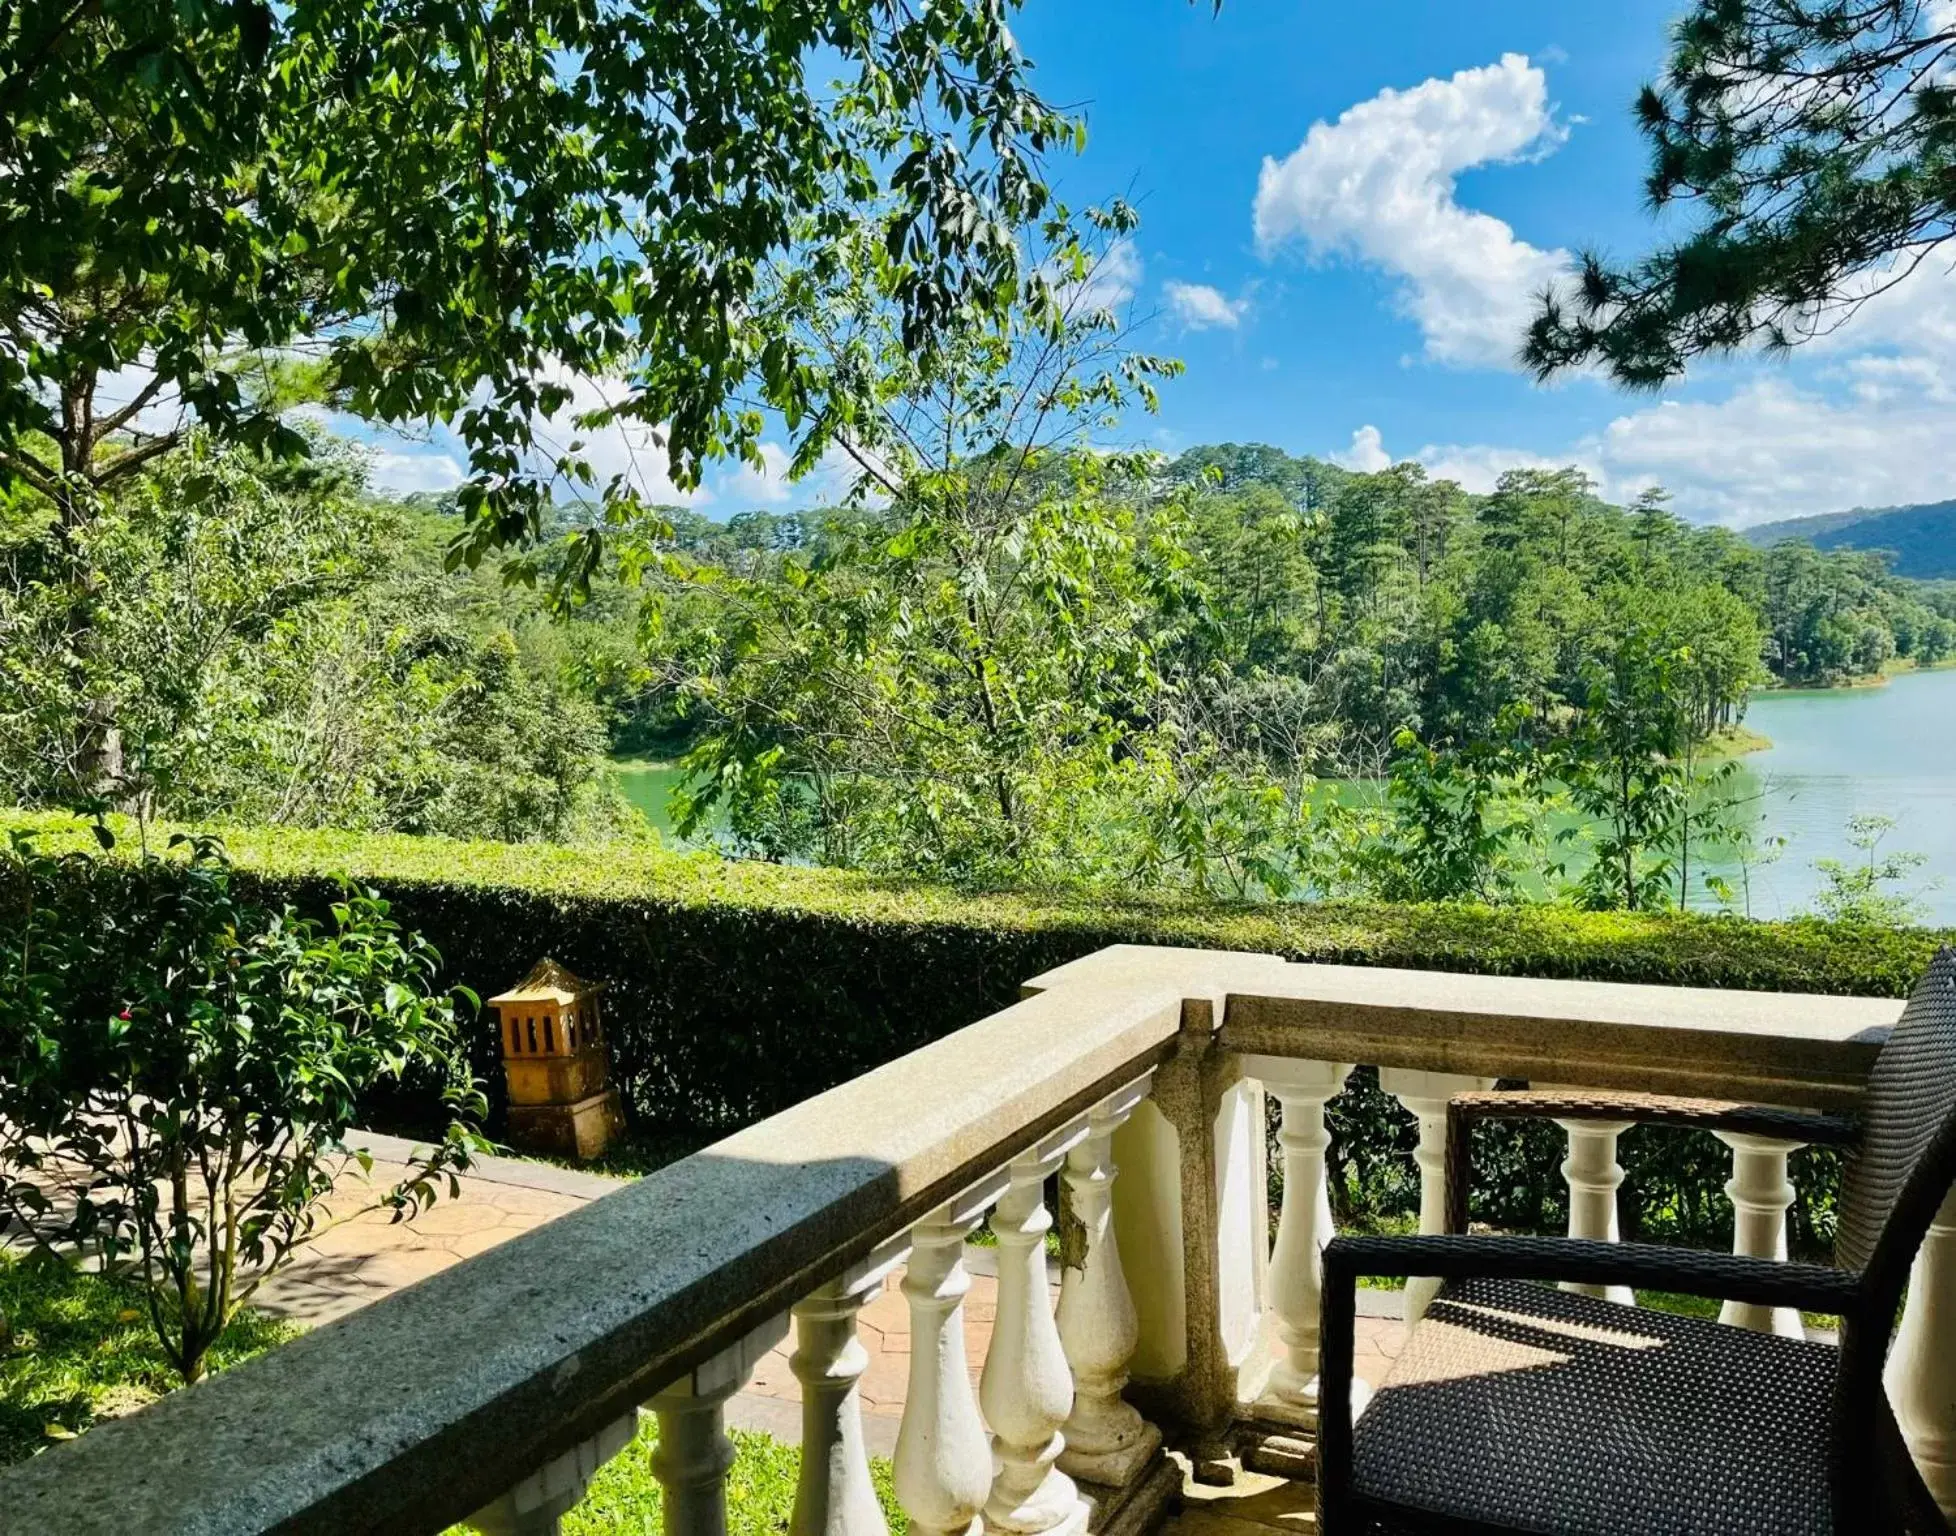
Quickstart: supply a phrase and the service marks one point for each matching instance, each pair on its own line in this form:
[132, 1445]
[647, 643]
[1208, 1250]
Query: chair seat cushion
[1517, 1407]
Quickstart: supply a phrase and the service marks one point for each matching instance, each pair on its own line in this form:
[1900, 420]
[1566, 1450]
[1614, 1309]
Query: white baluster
[1593, 1176]
[694, 1455]
[1027, 1387]
[834, 1495]
[1107, 1440]
[535, 1505]
[1921, 1373]
[1426, 1095]
[943, 1456]
[1760, 1192]
[1304, 1226]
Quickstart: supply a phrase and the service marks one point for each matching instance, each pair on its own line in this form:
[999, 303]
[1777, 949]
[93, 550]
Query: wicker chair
[1518, 1407]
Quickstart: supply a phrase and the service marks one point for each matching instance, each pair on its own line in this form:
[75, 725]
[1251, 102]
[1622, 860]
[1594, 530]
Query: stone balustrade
[1132, 1082]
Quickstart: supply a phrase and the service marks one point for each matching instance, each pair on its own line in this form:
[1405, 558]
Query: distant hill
[1923, 538]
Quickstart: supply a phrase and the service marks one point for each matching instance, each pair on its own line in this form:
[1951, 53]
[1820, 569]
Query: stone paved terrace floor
[1255, 1504]
[369, 1256]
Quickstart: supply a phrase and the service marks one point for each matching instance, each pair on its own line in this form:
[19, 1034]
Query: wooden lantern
[558, 1068]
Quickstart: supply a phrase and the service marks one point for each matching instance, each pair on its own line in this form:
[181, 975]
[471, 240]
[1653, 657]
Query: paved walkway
[369, 1256]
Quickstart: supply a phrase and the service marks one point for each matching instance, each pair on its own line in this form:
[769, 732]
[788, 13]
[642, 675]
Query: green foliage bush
[178, 1067]
[736, 989]
[1673, 1188]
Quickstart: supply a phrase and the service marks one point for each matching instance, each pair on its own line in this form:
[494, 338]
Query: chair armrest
[1767, 1282]
[1726, 1276]
[1464, 1110]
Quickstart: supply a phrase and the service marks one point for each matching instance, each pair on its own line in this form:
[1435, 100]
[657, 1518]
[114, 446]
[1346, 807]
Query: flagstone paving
[369, 1255]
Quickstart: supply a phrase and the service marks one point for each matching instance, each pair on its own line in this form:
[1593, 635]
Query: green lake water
[1836, 753]
[646, 785]
[1845, 752]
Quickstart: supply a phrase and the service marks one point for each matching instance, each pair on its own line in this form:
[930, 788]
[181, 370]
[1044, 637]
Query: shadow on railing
[494, 1389]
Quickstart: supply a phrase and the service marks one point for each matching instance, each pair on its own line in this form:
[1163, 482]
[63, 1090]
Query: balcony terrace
[1184, 1345]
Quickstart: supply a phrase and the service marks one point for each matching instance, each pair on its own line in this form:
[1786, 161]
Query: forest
[1920, 540]
[1007, 652]
[1117, 669]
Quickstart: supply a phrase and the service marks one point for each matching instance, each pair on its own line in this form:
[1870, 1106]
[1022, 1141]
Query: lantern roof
[548, 982]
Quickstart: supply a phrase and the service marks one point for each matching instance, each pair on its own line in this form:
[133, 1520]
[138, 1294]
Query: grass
[624, 1496]
[1657, 1301]
[1736, 741]
[638, 1151]
[79, 1349]
[1708, 1307]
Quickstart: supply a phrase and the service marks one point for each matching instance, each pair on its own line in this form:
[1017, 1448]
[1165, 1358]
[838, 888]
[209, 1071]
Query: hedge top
[1802, 955]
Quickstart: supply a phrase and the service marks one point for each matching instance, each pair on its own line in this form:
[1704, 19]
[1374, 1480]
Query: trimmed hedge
[736, 989]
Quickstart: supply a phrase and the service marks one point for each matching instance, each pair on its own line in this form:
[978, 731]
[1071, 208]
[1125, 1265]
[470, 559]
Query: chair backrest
[1907, 1158]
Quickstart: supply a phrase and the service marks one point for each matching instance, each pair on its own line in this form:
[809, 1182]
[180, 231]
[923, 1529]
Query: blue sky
[1345, 210]
[1184, 108]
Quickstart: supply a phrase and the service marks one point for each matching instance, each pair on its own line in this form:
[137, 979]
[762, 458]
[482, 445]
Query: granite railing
[493, 1391]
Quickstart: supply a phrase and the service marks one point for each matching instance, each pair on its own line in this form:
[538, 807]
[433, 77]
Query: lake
[1844, 752]
[646, 784]
[1836, 753]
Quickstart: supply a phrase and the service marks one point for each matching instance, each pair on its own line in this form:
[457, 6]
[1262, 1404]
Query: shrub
[736, 989]
[180, 1065]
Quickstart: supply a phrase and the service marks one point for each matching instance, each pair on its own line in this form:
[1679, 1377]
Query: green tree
[1254, 544]
[947, 681]
[1654, 526]
[457, 204]
[1461, 822]
[279, 646]
[1837, 615]
[1863, 891]
[1621, 763]
[1816, 142]
[461, 211]
[181, 1067]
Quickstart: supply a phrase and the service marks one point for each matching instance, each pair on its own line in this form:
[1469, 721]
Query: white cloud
[765, 484]
[433, 456]
[1863, 415]
[402, 473]
[831, 480]
[838, 474]
[1200, 307]
[621, 448]
[1474, 467]
[1913, 312]
[1771, 449]
[163, 413]
[1378, 185]
[1898, 380]
[1114, 279]
[1367, 453]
